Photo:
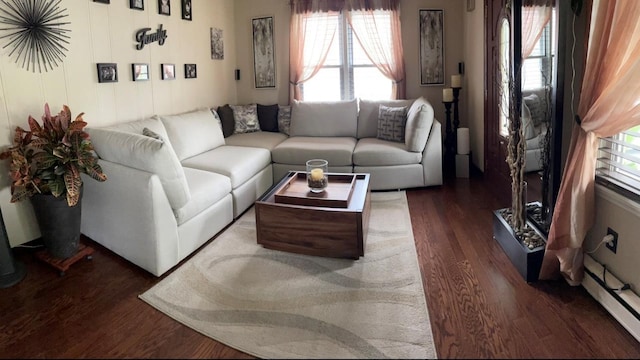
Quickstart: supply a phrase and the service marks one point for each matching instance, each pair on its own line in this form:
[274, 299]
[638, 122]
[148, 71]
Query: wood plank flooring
[479, 306]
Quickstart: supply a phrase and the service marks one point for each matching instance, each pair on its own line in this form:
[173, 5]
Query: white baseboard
[615, 305]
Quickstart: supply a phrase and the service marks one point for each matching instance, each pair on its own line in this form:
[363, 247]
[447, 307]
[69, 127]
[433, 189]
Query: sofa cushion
[239, 163]
[297, 150]
[284, 119]
[246, 118]
[193, 132]
[145, 153]
[368, 115]
[262, 139]
[376, 152]
[419, 122]
[206, 188]
[391, 123]
[268, 117]
[330, 118]
[226, 118]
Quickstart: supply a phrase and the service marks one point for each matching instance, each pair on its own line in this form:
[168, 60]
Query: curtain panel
[535, 17]
[609, 104]
[311, 6]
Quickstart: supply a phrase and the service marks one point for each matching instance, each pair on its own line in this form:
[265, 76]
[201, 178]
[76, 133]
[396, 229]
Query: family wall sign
[143, 37]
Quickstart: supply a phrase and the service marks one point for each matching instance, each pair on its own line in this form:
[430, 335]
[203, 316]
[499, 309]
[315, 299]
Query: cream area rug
[274, 304]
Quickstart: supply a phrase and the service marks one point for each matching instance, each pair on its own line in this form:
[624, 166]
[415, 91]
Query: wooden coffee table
[333, 223]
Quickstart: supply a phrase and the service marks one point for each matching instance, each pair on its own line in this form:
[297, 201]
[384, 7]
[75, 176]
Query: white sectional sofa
[174, 181]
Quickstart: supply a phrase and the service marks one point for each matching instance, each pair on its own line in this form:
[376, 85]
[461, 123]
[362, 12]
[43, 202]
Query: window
[347, 72]
[536, 69]
[619, 161]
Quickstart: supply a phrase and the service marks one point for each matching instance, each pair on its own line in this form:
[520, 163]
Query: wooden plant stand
[63, 264]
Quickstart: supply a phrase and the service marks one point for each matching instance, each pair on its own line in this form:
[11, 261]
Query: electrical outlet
[612, 245]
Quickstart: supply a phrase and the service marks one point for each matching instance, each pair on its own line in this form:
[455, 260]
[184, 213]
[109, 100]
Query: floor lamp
[11, 271]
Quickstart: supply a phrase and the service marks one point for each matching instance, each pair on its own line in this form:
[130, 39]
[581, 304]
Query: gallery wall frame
[107, 72]
[164, 7]
[140, 72]
[431, 47]
[168, 71]
[217, 44]
[190, 71]
[264, 67]
[136, 4]
[187, 10]
[103, 1]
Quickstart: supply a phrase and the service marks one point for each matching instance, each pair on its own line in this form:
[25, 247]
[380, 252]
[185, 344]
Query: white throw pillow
[246, 118]
[419, 122]
[193, 133]
[527, 123]
[144, 153]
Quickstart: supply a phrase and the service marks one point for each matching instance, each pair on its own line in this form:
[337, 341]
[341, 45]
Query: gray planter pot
[59, 223]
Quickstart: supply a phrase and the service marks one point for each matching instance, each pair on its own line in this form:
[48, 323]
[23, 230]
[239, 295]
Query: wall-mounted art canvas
[168, 71]
[263, 52]
[136, 4]
[140, 72]
[190, 71]
[217, 46]
[102, 1]
[164, 7]
[431, 47]
[107, 72]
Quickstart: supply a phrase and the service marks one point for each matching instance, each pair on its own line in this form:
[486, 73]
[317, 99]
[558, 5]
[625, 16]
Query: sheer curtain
[380, 39]
[308, 47]
[535, 15]
[609, 103]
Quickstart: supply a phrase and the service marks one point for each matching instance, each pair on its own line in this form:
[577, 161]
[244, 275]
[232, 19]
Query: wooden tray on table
[337, 194]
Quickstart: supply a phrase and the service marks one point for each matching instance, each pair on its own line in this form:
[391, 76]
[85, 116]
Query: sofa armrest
[130, 215]
[432, 156]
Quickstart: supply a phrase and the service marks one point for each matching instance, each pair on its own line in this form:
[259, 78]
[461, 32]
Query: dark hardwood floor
[479, 306]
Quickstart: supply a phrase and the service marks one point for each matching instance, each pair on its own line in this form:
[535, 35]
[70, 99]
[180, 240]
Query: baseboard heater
[623, 305]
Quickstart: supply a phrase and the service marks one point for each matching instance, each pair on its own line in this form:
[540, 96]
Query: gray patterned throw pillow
[147, 132]
[536, 107]
[391, 123]
[246, 118]
[284, 119]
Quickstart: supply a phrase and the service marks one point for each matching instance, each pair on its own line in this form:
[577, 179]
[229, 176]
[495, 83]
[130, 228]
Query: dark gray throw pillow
[268, 117]
[391, 123]
[226, 118]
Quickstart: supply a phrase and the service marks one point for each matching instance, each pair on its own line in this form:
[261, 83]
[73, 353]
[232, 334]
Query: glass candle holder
[317, 179]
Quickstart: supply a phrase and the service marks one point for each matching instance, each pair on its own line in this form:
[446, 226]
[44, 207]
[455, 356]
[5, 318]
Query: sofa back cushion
[145, 153]
[418, 127]
[330, 118]
[368, 115]
[193, 133]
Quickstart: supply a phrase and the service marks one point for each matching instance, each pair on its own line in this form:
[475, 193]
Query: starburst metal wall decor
[34, 32]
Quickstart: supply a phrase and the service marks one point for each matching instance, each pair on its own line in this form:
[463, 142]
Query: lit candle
[447, 94]
[317, 174]
[456, 81]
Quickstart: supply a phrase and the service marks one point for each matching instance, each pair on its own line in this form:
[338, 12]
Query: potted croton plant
[45, 166]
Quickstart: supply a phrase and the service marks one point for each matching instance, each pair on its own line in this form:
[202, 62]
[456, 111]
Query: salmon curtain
[382, 43]
[535, 16]
[609, 104]
[308, 48]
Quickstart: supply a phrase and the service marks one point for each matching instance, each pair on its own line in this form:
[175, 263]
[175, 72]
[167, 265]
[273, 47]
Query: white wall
[106, 33]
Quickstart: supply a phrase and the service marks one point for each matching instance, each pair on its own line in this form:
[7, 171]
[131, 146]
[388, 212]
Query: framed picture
[168, 71]
[263, 52]
[107, 72]
[431, 47]
[136, 4]
[186, 9]
[164, 7]
[140, 72]
[103, 1]
[190, 71]
[217, 47]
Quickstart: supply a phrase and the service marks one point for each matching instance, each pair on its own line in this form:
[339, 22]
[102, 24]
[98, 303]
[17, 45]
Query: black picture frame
[136, 4]
[187, 10]
[190, 71]
[264, 68]
[164, 7]
[140, 72]
[107, 72]
[431, 48]
[168, 71]
[103, 1]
